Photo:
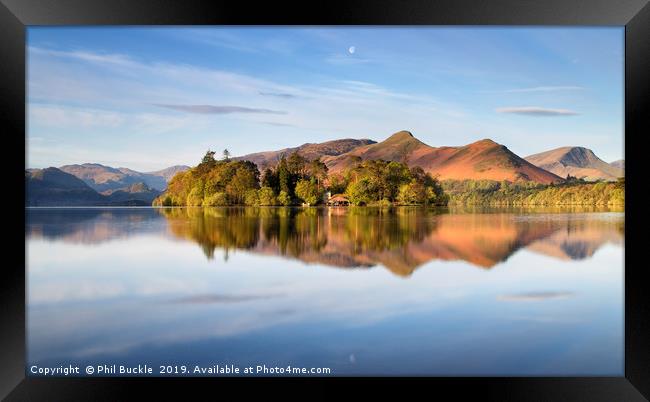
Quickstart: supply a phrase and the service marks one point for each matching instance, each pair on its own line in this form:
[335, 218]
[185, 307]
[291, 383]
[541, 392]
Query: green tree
[337, 183]
[197, 186]
[284, 198]
[382, 180]
[296, 164]
[283, 176]
[308, 192]
[207, 163]
[396, 174]
[215, 200]
[243, 180]
[195, 197]
[208, 158]
[360, 192]
[318, 170]
[252, 197]
[226, 155]
[266, 196]
[411, 193]
[270, 179]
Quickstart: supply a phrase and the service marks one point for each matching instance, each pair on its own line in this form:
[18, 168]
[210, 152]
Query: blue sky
[151, 97]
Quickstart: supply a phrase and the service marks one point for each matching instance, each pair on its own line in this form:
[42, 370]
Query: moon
[352, 49]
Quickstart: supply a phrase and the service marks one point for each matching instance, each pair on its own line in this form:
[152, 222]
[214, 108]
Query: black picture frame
[16, 15]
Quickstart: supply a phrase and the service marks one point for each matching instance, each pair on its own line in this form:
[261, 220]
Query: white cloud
[103, 59]
[535, 296]
[56, 116]
[536, 111]
[542, 89]
[217, 109]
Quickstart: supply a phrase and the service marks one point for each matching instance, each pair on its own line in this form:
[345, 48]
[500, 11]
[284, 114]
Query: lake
[361, 291]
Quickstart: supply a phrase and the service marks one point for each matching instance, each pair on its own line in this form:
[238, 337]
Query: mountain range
[484, 159]
[309, 151]
[103, 178]
[54, 187]
[579, 162]
[96, 184]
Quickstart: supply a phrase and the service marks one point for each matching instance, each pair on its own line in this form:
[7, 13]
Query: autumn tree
[284, 176]
[308, 191]
[318, 170]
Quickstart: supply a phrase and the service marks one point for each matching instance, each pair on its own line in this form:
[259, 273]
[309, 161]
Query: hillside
[481, 160]
[102, 178]
[309, 151]
[137, 191]
[575, 161]
[619, 164]
[54, 187]
[168, 173]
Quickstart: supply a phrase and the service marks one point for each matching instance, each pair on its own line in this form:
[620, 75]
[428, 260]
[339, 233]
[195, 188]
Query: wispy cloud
[124, 73]
[55, 116]
[541, 89]
[215, 298]
[212, 109]
[100, 58]
[346, 59]
[279, 95]
[218, 38]
[536, 111]
[278, 124]
[49, 116]
[535, 296]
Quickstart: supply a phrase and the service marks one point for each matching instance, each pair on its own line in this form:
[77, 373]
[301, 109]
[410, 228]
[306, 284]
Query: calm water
[359, 291]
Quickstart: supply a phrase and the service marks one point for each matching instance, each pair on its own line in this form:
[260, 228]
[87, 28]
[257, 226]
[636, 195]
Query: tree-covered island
[296, 180]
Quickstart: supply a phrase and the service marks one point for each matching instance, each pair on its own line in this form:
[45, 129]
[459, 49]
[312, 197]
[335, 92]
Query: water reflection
[90, 225]
[151, 285]
[399, 239]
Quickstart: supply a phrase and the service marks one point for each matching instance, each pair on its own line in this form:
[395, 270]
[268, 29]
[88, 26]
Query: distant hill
[167, 173]
[135, 192]
[619, 164]
[54, 187]
[484, 159]
[575, 161]
[102, 178]
[308, 150]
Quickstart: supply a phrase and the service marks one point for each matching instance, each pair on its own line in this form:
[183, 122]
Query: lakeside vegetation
[384, 183]
[571, 192]
[298, 181]
[295, 180]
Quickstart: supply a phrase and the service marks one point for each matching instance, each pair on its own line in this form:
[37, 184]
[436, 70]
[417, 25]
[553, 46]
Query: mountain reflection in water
[400, 239]
[410, 291]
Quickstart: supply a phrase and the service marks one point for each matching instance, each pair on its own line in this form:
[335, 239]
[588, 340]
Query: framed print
[227, 193]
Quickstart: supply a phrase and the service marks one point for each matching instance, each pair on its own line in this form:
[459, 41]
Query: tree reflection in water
[401, 239]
